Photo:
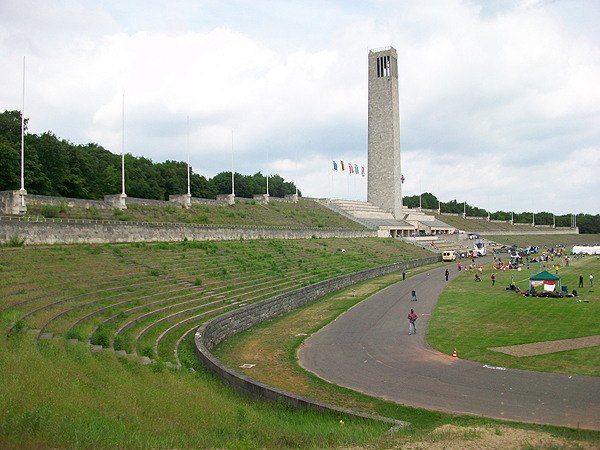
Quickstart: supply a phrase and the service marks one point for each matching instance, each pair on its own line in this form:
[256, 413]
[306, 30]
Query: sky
[499, 100]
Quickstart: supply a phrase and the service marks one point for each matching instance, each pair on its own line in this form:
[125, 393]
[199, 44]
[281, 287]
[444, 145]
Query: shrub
[16, 241]
[154, 272]
[50, 211]
[146, 350]
[101, 336]
[121, 342]
[75, 333]
[19, 326]
[198, 281]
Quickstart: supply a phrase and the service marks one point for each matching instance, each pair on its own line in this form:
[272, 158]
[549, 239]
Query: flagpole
[23, 137]
[123, 146]
[267, 168]
[188, 154]
[232, 172]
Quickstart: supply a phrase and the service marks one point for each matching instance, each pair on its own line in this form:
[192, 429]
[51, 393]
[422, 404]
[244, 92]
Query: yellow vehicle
[449, 255]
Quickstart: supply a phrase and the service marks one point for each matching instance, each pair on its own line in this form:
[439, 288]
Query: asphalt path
[368, 349]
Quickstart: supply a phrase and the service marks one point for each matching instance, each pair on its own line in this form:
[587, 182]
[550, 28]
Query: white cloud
[495, 96]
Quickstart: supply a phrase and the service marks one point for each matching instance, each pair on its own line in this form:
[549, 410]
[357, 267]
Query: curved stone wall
[216, 330]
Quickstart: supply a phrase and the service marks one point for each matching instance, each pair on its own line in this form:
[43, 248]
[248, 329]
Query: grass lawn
[543, 240]
[473, 316]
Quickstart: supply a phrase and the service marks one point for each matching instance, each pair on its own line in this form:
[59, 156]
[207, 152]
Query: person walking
[591, 280]
[459, 267]
[412, 318]
[447, 273]
[580, 281]
[493, 279]
[403, 274]
[414, 296]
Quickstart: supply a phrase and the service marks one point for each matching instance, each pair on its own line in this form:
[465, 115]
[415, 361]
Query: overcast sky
[499, 100]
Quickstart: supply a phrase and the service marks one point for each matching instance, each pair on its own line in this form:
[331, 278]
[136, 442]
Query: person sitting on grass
[477, 278]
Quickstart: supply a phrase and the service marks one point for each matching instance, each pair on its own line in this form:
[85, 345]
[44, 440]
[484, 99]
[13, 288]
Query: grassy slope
[60, 395]
[305, 213]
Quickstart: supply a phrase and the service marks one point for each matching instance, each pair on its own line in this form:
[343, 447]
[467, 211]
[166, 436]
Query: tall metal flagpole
[267, 167]
[23, 135]
[188, 152]
[232, 172]
[123, 147]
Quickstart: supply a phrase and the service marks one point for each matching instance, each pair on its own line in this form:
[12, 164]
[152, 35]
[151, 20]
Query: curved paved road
[368, 349]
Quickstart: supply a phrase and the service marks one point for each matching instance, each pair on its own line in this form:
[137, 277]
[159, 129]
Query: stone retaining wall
[214, 331]
[68, 202]
[97, 232]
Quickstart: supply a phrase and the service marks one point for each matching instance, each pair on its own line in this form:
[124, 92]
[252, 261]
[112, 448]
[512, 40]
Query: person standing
[447, 273]
[412, 318]
[493, 279]
[459, 267]
[580, 281]
[591, 280]
[403, 274]
[414, 296]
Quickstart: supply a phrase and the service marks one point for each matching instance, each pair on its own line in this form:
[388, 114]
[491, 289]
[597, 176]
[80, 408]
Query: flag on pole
[356, 169]
[363, 171]
[343, 166]
[402, 178]
[334, 165]
[350, 168]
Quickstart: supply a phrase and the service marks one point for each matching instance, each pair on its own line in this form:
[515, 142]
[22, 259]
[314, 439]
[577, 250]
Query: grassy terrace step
[239, 294]
[63, 292]
[66, 273]
[194, 321]
[45, 311]
[165, 291]
[152, 286]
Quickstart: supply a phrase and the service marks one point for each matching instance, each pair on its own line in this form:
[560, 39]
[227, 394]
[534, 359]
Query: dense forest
[58, 167]
[587, 223]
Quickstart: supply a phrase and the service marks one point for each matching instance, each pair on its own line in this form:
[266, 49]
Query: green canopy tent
[548, 280]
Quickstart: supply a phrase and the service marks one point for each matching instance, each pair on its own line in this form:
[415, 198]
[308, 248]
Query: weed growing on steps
[15, 241]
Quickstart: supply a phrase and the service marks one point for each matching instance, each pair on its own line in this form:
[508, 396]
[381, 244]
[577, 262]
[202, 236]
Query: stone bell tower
[384, 183]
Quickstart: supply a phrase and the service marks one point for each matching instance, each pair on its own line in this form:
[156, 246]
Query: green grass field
[474, 316]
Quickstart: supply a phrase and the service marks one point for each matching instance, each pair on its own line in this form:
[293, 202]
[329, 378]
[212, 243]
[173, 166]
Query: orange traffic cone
[454, 354]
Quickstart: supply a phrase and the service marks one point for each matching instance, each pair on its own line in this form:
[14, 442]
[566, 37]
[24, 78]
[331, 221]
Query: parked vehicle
[449, 255]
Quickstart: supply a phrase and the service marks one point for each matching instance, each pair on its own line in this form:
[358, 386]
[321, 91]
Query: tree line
[587, 223]
[58, 167]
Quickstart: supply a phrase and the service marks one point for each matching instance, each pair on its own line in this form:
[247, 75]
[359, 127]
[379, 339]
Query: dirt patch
[451, 437]
[542, 348]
